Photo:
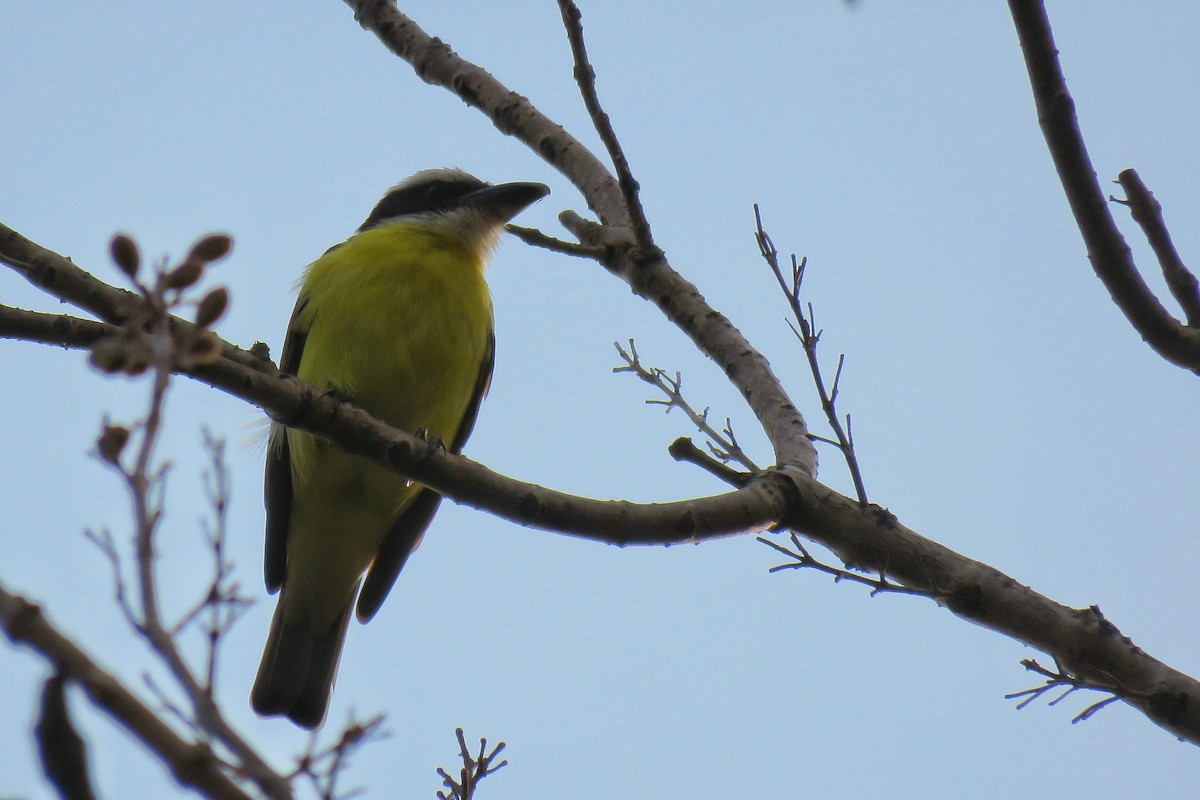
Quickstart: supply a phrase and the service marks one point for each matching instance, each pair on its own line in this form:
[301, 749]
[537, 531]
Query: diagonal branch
[513, 115]
[751, 508]
[1110, 255]
[1147, 212]
[645, 270]
[809, 336]
[585, 76]
[870, 539]
[192, 764]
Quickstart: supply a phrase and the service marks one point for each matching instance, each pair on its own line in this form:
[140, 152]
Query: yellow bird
[398, 320]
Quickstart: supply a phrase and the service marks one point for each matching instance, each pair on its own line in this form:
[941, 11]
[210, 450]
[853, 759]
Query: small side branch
[535, 238]
[1108, 252]
[684, 449]
[323, 766]
[585, 76]
[1148, 213]
[806, 331]
[474, 769]
[1059, 679]
[723, 444]
[802, 559]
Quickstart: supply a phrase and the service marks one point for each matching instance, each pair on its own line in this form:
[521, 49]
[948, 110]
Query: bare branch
[1059, 679]
[1111, 257]
[193, 764]
[323, 767]
[474, 769]
[805, 329]
[802, 559]
[585, 76]
[148, 340]
[1147, 212]
[722, 443]
[534, 237]
[683, 449]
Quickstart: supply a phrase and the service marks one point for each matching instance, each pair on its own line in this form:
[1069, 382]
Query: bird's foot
[436, 441]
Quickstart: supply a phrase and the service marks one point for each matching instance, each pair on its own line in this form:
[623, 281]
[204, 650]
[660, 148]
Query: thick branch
[869, 538]
[1082, 641]
[299, 405]
[1110, 255]
[513, 115]
[193, 764]
[645, 269]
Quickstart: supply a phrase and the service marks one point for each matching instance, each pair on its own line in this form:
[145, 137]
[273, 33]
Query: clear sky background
[1001, 404]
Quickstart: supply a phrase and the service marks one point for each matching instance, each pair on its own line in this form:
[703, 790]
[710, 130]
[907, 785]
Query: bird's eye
[436, 192]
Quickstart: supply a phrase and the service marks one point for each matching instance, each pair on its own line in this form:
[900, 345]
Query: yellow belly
[398, 320]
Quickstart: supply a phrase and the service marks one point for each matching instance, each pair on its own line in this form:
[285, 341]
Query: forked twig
[806, 331]
[802, 559]
[1059, 679]
[474, 769]
[585, 76]
[723, 444]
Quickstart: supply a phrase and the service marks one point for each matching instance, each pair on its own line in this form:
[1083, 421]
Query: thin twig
[323, 767]
[150, 340]
[585, 76]
[534, 237]
[1148, 213]
[723, 444]
[474, 769]
[1060, 679]
[805, 560]
[805, 329]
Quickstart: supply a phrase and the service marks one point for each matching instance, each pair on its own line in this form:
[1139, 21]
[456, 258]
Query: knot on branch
[1171, 706]
[618, 244]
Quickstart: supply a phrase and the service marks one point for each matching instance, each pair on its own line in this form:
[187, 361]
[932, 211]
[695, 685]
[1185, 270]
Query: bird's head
[456, 203]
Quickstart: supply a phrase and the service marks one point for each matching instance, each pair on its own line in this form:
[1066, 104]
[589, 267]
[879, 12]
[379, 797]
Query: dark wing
[277, 485]
[406, 533]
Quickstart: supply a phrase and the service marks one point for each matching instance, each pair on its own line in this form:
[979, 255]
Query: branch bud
[125, 255]
[211, 248]
[206, 349]
[111, 442]
[185, 274]
[108, 355]
[212, 307]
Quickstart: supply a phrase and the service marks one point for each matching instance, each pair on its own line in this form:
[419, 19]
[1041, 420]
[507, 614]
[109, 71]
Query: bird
[398, 320]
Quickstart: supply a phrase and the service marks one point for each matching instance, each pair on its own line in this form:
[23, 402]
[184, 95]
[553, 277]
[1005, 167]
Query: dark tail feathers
[296, 675]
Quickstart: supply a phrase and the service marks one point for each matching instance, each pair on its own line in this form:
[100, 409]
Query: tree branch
[752, 508]
[809, 337]
[585, 76]
[867, 538]
[645, 270]
[193, 764]
[1111, 257]
[1147, 212]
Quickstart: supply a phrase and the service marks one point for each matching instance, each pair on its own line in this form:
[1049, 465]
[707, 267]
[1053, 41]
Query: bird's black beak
[504, 201]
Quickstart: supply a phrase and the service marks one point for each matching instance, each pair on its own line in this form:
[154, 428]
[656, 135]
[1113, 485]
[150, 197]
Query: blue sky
[1001, 404]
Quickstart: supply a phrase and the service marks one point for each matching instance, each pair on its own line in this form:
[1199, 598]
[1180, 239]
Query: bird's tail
[298, 667]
